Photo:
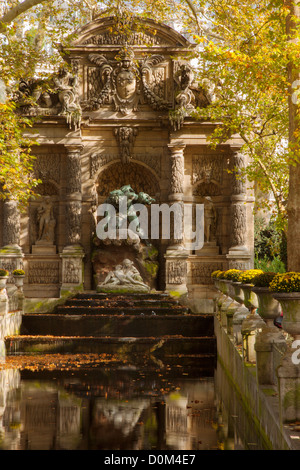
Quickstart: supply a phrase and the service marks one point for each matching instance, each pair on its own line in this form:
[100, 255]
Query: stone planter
[269, 336]
[3, 282]
[238, 292]
[230, 289]
[223, 286]
[268, 307]
[290, 303]
[289, 369]
[250, 298]
[19, 281]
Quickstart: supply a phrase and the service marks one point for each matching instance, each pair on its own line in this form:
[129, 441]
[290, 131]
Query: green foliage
[264, 279]
[269, 246]
[16, 163]
[4, 272]
[272, 265]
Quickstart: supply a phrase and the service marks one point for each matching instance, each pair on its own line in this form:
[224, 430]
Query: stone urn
[268, 307]
[289, 369]
[3, 281]
[230, 289]
[238, 292]
[19, 280]
[290, 304]
[223, 286]
[250, 298]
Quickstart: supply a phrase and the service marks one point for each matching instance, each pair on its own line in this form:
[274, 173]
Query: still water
[121, 407]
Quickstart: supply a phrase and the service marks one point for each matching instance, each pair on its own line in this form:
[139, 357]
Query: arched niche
[116, 175]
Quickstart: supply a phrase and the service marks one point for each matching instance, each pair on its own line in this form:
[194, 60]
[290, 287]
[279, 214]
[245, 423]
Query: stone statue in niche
[46, 222]
[122, 235]
[210, 220]
[126, 275]
[125, 136]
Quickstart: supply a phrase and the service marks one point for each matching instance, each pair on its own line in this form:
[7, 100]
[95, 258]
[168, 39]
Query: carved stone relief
[98, 160]
[135, 38]
[10, 223]
[73, 219]
[126, 82]
[238, 179]
[43, 272]
[207, 174]
[73, 172]
[176, 272]
[125, 137]
[238, 224]
[47, 166]
[71, 271]
[201, 272]
[60, 98]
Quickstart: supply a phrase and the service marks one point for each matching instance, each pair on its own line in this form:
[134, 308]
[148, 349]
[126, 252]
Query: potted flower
[268, 307]
[218, 277]
[18, 275]
[3, 278]
[286, 289]
[246, 279]
[214, 276]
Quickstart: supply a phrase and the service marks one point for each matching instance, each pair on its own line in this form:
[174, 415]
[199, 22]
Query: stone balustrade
[11, 311]
[247, 314]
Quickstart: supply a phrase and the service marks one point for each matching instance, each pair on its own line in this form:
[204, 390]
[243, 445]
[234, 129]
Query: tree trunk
[293, 206]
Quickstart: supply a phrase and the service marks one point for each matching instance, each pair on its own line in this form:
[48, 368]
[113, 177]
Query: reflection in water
[112, 409]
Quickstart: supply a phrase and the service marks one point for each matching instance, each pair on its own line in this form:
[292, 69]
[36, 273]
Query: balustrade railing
[248, 310]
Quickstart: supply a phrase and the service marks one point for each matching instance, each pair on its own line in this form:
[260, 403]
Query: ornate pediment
[126, 82]
[138, 32]
[121, 71]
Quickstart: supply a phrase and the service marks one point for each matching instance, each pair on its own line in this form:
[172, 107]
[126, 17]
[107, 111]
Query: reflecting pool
[120, 406]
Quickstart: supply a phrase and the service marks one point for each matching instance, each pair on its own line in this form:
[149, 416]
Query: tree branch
[16, 11]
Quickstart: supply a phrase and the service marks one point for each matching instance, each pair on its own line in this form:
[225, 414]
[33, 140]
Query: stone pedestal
[250, 326]
[11, 258]
[208, 249]
[42, 248]
[268, 338]
[176, 271]
[289, 387]
[72, 269]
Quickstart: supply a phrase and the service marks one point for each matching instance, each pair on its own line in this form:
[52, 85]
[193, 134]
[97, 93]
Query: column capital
[73, 148]
[176, 147]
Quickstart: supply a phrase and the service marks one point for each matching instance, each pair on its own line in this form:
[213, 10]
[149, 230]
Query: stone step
[98, 310]
[140, 375]
[124, 296]
[108, 303]
[124, 346]
[117, 325]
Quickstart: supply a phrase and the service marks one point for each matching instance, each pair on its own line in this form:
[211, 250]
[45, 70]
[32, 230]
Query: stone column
[238, 255]
[176, 255]
[11, 256]
[73, 254]
[176, 188]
